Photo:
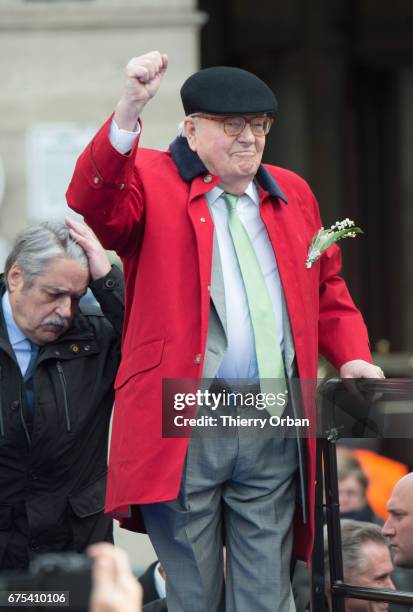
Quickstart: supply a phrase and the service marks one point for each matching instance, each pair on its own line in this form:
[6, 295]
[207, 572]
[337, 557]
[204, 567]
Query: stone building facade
[62, 65]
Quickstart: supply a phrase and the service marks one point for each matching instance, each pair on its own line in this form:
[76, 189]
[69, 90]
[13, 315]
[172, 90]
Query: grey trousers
[240, 485]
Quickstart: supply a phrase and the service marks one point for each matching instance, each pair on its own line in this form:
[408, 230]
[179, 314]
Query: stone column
[63, 62]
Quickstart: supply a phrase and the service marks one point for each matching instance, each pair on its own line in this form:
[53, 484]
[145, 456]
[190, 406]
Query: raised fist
[143, 78]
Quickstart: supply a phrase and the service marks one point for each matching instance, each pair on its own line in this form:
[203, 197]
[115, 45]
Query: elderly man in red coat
[214, 246]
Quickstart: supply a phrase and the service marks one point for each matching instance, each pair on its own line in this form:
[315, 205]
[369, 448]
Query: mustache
[56, 321]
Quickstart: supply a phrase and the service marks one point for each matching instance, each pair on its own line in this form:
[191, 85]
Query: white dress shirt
[19, 342]
[240, 359]
[122, 140]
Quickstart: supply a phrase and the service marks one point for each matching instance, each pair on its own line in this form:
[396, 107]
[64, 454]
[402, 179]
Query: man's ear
[190, 132]
[15, 278]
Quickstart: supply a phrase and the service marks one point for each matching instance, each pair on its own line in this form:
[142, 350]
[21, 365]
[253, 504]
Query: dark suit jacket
[53, 454]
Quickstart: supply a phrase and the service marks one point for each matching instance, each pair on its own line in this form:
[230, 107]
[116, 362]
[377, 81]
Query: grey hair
[37, 245]
[353, 535]
[181, 129]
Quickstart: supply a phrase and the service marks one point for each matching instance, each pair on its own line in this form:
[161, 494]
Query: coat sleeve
[109, 293]
[106, 190]
[342, 332]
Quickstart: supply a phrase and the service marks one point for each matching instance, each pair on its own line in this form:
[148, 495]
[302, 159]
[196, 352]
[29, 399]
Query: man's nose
[389, 584]
[64, 308]
[387, 529]
[247, 134]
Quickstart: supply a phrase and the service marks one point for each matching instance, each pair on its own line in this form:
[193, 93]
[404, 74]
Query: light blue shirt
[20, 344]
[240, 358]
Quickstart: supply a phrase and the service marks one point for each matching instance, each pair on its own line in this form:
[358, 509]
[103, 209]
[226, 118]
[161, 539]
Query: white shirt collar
[13, 330]
[251, 191]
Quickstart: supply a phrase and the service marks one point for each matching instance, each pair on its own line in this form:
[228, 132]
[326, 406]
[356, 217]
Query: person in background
[366, 562]
[382, 473]
[352, 489]
[398, 528]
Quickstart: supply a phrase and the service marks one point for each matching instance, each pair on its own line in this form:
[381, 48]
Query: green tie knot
[231, 201]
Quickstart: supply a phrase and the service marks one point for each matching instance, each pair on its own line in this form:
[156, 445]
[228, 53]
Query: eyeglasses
[233, 126]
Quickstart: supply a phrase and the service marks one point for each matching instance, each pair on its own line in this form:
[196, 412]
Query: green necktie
[267, 343]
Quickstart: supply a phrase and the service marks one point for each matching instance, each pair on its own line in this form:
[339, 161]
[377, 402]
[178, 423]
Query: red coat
[160, 225]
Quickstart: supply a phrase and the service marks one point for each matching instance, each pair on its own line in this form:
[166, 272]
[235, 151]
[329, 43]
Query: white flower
[324, 238]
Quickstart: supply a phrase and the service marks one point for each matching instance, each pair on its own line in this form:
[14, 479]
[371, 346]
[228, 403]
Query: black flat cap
[223, 90]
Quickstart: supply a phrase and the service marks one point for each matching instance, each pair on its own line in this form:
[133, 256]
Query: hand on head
[99, 264]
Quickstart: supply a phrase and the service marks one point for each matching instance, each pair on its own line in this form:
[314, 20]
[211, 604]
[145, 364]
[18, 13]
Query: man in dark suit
[58, 361]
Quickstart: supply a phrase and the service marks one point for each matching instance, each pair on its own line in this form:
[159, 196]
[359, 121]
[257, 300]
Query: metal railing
[343, 409]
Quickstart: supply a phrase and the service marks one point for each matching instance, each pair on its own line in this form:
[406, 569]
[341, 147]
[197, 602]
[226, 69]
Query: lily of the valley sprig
[326, 237]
